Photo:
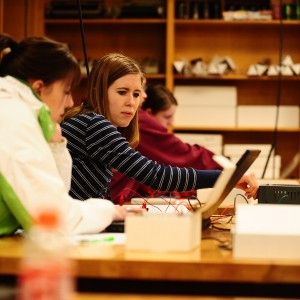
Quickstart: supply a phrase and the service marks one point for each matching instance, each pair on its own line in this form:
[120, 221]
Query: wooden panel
[113, 37]
[23, 18]
[266, 92]
[14, 18]
[35, 17]
[1, 14]
[170, 44]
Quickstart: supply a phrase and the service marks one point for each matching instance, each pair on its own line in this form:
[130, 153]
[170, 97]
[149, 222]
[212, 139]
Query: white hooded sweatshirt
[31, 172]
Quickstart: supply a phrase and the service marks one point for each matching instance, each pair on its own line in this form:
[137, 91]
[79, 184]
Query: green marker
[108, 239]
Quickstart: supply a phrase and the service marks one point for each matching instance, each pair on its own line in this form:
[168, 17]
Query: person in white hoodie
[37, 76]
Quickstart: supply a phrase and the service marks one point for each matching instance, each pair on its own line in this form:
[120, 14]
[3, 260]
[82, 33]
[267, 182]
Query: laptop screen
[227, 180]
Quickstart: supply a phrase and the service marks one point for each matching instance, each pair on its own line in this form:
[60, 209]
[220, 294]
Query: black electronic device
[279, 194]
[117, 226]
[64, 9]
[145, 11]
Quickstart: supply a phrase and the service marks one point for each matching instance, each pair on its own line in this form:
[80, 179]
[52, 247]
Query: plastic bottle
[297, 9]
[288, 11]
[46, 270]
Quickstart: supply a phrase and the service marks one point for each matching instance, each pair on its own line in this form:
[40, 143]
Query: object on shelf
[286, 71]
[261, 69]
[183, 66]
[198, 67]
[239, 15]
[217, 66]
[195, 9]
[247, 10]
[178, 66]
[220, 65]
[142, 9]
[296, 68]
[273, 70]
[149, 65]
[60, 9]
[287, 61]
[257, 70]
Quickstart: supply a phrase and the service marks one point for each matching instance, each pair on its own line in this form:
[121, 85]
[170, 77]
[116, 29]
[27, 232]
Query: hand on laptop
[249, 184]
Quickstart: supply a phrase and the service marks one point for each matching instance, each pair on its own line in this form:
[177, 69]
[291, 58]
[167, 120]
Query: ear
[37, 85]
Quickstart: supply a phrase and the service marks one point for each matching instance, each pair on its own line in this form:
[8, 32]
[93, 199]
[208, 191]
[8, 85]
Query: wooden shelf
[149, 76]
[169, 39]
[221, 22]
[234, 129]
[235, 77]
[106, 21]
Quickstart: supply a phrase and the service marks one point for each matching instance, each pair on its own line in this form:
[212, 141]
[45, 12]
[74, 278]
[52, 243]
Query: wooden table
[207, 270]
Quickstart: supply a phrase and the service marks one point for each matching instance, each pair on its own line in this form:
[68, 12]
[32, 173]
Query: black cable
[26, 18]
[279, 89]
[83, 39]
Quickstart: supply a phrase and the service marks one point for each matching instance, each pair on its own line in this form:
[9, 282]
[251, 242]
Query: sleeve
[126, 186]
[63, 161]
[106, 145]
[157, 144]
[29, 167]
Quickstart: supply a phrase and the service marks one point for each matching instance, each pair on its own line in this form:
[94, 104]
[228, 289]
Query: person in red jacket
[158, 143]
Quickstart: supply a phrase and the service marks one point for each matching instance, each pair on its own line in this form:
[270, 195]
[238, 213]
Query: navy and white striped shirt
[96, 146]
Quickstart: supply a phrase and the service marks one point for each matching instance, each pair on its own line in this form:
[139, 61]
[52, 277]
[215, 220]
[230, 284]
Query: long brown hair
[37, 58]
[104, 73]
[159, 98]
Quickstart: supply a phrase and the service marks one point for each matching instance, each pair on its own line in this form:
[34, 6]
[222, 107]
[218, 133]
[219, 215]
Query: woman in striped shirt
[103, 132]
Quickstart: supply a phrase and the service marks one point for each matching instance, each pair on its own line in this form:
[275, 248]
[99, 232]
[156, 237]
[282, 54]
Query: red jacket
[156, 143]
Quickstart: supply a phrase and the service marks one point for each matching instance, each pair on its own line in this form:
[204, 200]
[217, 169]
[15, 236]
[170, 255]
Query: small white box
[206, 95]
[255, 116]
[213, 142]
[267, 231]
[205, 116]
[236, 150]
[201, 139]
[163, 232]
[260, 162]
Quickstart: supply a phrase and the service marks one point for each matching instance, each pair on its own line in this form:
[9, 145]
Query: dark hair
[37, 58]
[104, 73]
[159, 98]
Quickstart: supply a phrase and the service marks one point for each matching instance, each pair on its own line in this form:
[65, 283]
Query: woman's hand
[57, 137]
[249, 184]
[122, 211]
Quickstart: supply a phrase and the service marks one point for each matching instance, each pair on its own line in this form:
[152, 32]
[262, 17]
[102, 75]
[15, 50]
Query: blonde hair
[104, 73]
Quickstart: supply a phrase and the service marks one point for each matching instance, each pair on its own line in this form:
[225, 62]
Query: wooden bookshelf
[168, 39]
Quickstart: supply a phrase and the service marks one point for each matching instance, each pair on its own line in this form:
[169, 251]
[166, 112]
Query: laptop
[227, 180]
